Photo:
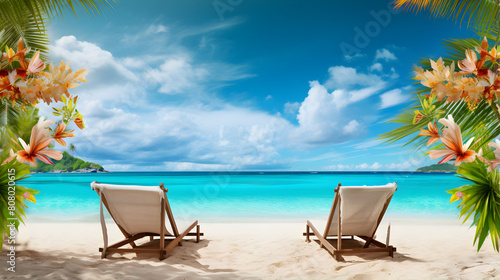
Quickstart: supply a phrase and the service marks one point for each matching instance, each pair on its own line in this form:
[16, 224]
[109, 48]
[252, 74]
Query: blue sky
[246, 85]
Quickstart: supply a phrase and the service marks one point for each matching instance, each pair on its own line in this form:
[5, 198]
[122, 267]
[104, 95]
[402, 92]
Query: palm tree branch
[479, 13]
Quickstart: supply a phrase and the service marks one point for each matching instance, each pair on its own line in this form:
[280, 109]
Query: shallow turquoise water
[227, 197]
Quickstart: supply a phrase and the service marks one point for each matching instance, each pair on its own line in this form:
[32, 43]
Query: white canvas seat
[139, 211]
[361, 211]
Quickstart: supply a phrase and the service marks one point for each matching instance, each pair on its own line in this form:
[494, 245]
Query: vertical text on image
[12, 220]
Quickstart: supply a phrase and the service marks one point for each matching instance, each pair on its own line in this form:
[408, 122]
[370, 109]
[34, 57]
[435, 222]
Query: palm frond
[26, 27]
[50, 8]
[479, 13]
[27, 19]
[482, 200]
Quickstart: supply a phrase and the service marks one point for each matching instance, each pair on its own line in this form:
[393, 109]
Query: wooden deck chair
[361, 211]
[139, 211]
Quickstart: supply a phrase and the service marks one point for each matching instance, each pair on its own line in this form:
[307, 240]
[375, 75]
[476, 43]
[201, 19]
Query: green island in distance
[68, 163]
[446, 167]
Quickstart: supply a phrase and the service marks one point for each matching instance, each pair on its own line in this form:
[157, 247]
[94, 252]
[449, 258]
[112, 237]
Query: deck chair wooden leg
[322, 240]
[162, 229]
[367, 243]
[307, 233]
[127, 240]
[337, 256]
[197, 233]
[176, 241]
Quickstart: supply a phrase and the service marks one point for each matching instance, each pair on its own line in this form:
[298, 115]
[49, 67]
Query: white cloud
[208, 28]
[342, 77]
[384, 54]
[269, 97]
[190, 166]
[321, 119]
[362, 166]
[291, 108]
[392, 98]
[108, 79]
[405, 164]
[352, 57]
[179, 74]
[327, 117]
[156, 28]
[375, 166]
[90, 56]
[339, 167]
[393, 166]
[376, 66]
[352, 127]
[151, 33]
[176, 75]
[394, 75]
[367, 166]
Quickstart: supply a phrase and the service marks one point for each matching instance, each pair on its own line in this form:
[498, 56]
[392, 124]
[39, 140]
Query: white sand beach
[439, 249]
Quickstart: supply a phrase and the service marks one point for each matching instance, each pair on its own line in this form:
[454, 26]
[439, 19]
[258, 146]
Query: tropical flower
[475, 82]
[493, 54]
[61, 133]
[452, 140]
[36, 64]
[32, 83]
[37, 148]
[470, 64]
[433, 133]
[10, 55]
[439, 74]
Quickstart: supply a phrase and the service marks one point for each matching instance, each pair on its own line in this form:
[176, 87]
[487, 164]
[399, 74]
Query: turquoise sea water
[219, 197]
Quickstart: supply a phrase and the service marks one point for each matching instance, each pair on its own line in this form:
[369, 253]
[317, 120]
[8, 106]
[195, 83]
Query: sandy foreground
[425, 250]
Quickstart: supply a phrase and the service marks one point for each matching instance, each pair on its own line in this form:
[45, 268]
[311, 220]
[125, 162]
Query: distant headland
[68, 164]
[438, 168]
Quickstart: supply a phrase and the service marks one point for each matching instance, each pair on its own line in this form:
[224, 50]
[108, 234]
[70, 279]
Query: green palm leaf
[482, 199]
[27, 18]
[478, 13]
